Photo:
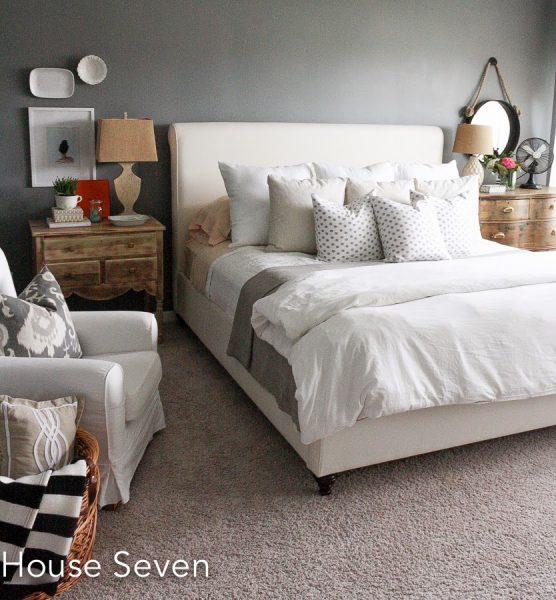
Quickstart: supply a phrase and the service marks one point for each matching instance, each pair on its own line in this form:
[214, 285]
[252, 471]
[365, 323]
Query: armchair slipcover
[118, 376]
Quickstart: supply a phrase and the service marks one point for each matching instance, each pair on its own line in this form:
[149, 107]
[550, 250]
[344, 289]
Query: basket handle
[93, 476]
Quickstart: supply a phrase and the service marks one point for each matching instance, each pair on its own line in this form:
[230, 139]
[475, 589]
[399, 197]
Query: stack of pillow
[386, 211]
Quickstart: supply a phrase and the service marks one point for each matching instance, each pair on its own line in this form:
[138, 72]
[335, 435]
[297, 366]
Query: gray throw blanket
[267, 366]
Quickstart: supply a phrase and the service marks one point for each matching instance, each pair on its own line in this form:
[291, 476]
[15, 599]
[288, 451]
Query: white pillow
[384, 171]
[399, 191]
[409, 232]
[249, 202]
[427, 171]
[291, 222]
[346, 233]
[457, 208]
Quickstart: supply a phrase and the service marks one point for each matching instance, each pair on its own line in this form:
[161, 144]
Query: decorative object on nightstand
[536, 157]
[94, 189]
[473, 140]
[101, 262]
[522, 218]
[505, 166]
[126, 141]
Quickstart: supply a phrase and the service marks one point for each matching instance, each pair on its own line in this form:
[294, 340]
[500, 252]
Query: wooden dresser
[523, 218]
[103, 261]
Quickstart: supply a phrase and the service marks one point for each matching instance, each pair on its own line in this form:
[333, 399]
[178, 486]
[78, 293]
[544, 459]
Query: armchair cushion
[38, 322]
[142, 375]
[111, 332]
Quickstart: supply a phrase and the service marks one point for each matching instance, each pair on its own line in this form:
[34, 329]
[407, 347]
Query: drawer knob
[132, 270]
[551, 207]
[499, 235]
[69, 275]
[553, 232]
[131, 245]
[508, 209]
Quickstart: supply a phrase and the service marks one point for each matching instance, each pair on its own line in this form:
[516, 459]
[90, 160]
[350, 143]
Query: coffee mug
[68, 201]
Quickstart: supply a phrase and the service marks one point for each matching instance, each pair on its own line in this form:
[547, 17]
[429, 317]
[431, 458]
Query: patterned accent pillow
[456, 227]
[409, 232]
[346, 233]
[38, 323]
[36, 436]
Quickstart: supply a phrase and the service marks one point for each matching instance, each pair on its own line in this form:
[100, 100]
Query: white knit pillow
[395, 190]
[346, 233]
[409, 232]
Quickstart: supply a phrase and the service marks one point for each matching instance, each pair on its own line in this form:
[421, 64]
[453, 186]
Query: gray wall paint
[377, 61]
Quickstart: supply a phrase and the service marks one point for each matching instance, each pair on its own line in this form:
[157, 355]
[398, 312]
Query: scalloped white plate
[46, 82]
[128, 220]
[92, 69]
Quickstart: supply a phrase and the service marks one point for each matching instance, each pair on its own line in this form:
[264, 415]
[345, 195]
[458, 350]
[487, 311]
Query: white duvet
[383, 339]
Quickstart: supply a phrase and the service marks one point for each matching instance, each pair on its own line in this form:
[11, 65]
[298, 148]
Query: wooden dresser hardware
[131, 245]
[132, 270]
[522, 218]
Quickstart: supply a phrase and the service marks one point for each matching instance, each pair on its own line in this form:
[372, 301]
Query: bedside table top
[545, 192]
[39, 228]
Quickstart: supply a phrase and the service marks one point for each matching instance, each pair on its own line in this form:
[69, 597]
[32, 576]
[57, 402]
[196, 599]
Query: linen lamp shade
[126, 141]
[473, 140]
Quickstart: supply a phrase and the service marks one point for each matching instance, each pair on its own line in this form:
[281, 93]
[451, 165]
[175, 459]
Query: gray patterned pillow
[456, 223]
[38, 323]
[346, 233]
[409, 232]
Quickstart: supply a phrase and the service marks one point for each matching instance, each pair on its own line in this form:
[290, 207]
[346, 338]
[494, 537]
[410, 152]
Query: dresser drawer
[543, 208]
[98, 246]
[542, 234]
[511, 234]
[130, 270]
[504, 210]
[76, 273]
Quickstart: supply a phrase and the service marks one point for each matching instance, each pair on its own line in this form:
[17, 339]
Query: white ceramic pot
[68, 201]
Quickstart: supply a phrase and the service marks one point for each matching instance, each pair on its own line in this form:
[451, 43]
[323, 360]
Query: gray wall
[381, 61]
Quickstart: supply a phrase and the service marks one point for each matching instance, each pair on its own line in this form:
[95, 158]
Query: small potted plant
[504, 165]
[64, 191]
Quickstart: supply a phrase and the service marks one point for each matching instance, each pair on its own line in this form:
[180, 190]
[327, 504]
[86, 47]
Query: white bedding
[389, 338]
[230, 272]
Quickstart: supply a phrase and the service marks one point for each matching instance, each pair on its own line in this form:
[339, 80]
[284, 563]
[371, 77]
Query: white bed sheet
[229, 273]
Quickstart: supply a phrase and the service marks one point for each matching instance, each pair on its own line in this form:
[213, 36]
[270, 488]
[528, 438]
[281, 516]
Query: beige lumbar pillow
[292, 224]
[399, 190]
[37, 436]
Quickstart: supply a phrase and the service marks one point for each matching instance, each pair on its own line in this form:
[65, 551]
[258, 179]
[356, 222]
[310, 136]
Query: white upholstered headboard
[196, 149]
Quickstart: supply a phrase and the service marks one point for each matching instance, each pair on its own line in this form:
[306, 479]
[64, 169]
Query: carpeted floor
[221, 484]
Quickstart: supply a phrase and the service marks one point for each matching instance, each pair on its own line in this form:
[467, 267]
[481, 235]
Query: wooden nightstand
[103, 261]
[523, 218]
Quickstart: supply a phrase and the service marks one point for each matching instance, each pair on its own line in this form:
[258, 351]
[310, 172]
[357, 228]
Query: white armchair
[118, 376]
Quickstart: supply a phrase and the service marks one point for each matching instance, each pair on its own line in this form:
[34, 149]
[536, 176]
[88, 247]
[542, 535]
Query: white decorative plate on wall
[92, 69]
[51, 83]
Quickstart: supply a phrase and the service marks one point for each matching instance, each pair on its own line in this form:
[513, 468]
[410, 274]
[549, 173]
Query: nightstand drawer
[77, 273]
[130, 270]
[98, 246]
[543, 208]
[504, 210]
[543, 234]
[512, 234]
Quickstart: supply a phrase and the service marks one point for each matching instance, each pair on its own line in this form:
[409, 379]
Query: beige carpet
[221, 484]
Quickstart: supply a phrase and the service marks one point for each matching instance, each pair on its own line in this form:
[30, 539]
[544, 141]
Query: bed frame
[196, 149]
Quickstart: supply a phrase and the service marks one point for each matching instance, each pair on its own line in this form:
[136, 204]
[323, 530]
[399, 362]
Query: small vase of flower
[504, 166]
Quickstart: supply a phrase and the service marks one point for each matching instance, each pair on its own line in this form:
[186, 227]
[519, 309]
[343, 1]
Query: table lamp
[473, 140]
[126, 141]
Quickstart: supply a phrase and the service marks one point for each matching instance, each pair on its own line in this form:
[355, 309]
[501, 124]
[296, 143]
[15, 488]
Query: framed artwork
[62, 144]
[94, 189]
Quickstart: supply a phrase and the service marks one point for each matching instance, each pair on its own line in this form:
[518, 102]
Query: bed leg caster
[325, 484]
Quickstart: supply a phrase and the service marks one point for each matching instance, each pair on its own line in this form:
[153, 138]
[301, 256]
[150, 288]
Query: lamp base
[127, 186]
[474, 167]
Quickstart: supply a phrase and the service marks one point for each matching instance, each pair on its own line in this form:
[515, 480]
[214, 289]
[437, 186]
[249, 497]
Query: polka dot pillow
[346, 233]
[409, 232]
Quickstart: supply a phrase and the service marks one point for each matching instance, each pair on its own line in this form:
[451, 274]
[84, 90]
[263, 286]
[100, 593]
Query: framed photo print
[62, 144]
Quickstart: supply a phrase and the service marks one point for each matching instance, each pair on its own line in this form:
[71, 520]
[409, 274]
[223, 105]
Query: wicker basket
[84, 538]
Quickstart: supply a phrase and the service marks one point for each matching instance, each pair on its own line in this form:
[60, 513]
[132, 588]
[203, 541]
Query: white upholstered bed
[196, 149]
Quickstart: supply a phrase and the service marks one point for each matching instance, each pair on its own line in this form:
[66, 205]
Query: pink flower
[508, 163]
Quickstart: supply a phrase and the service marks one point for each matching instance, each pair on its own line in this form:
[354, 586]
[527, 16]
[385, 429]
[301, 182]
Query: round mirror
[504, 121]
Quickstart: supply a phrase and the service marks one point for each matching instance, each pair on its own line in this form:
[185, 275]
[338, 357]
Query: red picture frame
[94, 189]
